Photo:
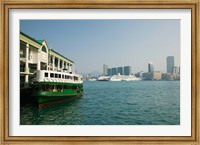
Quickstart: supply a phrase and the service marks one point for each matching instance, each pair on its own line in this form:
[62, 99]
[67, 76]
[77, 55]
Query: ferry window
[59, 75]
[43, 87]
[68, 77]
[51, 75]
[56, 75]
[51, 87]
[63, 76]
[46, 74]
[75, 78]
[66, 87]
[59, 88]
[47, 88]
[74, 87]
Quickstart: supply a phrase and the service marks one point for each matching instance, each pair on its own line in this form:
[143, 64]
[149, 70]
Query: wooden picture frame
[6, 5]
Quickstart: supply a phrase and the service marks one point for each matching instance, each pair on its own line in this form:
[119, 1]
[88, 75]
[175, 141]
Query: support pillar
[58, 63]
[26, 63]
[68, 67]
[38, 61]
[53, 62]
[62, 65]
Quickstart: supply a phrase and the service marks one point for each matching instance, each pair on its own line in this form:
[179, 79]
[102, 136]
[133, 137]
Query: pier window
[46, 74]
[32, 67]
[22, 49]
[44, 49]
[22, 66]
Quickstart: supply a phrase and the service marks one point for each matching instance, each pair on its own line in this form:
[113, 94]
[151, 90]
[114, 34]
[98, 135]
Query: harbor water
[112, 103]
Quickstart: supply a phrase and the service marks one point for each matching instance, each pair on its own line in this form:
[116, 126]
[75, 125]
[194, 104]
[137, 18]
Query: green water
[112, 103]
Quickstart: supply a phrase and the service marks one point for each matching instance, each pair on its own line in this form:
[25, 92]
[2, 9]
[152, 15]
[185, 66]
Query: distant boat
[103, 78]
[124, 78]
[92, 79]
[53, 86]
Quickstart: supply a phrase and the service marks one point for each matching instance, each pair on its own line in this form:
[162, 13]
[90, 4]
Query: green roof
[40, 41]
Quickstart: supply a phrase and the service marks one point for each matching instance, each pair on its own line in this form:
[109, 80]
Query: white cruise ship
[124, 78]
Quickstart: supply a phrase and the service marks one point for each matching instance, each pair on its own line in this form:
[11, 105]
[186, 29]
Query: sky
[92, 43]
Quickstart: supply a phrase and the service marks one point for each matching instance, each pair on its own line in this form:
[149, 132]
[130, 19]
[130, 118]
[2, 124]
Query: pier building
[36, 55]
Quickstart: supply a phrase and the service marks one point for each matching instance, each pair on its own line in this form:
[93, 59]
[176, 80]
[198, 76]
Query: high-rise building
[170, 64]
[105, 70]
[120, 70]
[127, 70]
[150, 68]
[114, 71]
[109, 72]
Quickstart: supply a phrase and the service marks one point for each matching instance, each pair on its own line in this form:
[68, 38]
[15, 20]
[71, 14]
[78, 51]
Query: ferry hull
[46, 97]
[43, 101]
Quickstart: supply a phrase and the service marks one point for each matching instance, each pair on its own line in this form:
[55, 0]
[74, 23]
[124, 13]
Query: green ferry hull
[48, 100]
[45, 98]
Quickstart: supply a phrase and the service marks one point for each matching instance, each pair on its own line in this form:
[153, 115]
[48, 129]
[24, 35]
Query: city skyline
[91, 43]
[170, 67]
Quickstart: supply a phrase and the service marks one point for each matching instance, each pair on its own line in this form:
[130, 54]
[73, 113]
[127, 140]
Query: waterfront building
[170, 77]
[157, 75]
[59, 62]
[114, 71]
[139, 74]
[175, 70]
[120, 70]
[170, 64]
[36, 55]
[127, 70]
[164, 76]
[105, 70]
[145, 76]
[150, 68]
[109, 71]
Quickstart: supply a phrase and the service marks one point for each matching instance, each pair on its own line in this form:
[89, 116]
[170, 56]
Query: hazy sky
[92, 43]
